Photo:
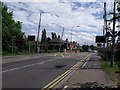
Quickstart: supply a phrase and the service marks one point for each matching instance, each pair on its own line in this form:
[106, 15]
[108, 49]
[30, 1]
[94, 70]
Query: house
[61, 45]
[57, 44]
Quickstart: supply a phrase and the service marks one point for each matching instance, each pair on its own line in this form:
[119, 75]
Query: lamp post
[71, 31]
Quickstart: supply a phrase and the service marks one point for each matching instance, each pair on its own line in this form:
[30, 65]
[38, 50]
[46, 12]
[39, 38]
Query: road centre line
[29, 65]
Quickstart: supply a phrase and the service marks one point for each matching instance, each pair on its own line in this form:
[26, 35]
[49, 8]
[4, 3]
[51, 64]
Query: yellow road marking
[58, 77]
[61, 77]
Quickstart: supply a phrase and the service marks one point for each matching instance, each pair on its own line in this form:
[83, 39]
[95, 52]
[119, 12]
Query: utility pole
[113, 34]
[105, 22]
[105, 30]
[37, 46]
[62, 34]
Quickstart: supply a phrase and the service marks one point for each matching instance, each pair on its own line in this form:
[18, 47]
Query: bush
[50, 51]
[117, 55]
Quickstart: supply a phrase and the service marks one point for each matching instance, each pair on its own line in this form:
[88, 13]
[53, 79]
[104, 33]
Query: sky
[84, 18]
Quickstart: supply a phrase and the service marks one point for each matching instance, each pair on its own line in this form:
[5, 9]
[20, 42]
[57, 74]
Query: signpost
[30, 38]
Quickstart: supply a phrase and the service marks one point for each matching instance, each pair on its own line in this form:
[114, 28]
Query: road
[37, 72]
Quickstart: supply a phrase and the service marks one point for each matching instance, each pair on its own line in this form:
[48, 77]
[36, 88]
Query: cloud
[58, 14]
[22, 16]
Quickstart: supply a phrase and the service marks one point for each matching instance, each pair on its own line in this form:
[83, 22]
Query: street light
[71, 31]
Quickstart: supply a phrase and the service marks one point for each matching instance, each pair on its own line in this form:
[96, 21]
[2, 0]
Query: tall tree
[85, 47]
[54, 35]
[48, 39]
[44, 38]
[11, 31]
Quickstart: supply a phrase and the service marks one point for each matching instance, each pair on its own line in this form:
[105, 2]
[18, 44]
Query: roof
[57, 40]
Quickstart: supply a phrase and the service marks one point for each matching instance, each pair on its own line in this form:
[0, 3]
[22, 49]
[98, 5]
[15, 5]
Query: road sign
[99, 44]
[31, 38]
[100, 39]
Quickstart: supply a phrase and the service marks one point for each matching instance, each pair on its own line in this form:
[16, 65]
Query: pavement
[88, 75]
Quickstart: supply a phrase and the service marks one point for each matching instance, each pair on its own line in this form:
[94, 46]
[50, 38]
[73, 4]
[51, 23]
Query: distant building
[61, 45]
[57, 44]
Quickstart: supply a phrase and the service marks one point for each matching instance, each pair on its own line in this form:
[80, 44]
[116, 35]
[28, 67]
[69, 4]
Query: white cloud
[62, 14]
[22, 16]
[33, 30]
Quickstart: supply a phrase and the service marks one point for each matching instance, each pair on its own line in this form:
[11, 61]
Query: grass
[110, 71]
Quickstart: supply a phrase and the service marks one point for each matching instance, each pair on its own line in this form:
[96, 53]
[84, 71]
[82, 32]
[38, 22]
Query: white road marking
[62, 55]
[29, 65]
[86, 61]
[84, 64]
[65, 87]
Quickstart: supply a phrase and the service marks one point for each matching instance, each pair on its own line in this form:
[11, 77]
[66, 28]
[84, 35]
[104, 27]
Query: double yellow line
[61, 77]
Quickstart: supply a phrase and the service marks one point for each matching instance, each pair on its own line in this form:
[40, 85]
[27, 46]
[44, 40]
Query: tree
[85, 48]
[12, 36]
[44, 38]
[118, 7]
[92, 47]
[58, 36]
[48, 39]
[54, 35]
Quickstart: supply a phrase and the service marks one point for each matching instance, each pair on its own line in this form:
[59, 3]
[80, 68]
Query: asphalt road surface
[37, 72]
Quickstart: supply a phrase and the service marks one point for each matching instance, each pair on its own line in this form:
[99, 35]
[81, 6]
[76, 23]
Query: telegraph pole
[105, 30]
[113, 35]
[38, 47]
[105, 22]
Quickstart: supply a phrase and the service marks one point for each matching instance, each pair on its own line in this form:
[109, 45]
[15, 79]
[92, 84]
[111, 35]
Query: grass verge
[110, 71]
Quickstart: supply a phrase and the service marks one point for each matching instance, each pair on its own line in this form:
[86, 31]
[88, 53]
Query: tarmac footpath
[88, 75]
